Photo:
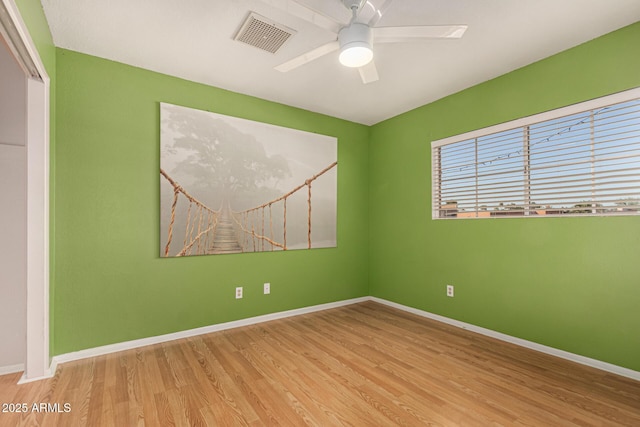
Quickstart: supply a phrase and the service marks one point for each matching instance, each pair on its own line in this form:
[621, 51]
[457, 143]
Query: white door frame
[37, 361]
[37, 364]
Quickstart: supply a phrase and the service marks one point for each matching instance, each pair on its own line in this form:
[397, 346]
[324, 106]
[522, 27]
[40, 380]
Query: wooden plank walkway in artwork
[225, 240]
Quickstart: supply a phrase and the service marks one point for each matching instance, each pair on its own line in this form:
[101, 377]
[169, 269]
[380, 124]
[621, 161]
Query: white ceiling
[193, 39]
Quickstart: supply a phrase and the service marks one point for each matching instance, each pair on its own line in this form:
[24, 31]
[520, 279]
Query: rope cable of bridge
[309, 214]
[284, 226]
[262, 231]
[200, 228]
[248, 217]
[283, 198]
[186, 230]
[247, 232]
[253, 231]
[176, 192]
[184, 250]
[190, 224]
[271, 225]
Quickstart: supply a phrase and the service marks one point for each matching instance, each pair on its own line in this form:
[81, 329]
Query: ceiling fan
[355, 39]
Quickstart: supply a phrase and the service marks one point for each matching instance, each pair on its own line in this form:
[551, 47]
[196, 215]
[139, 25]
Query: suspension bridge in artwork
[222, 230]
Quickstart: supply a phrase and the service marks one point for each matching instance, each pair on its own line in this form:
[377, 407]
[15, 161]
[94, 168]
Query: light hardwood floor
[360, 365]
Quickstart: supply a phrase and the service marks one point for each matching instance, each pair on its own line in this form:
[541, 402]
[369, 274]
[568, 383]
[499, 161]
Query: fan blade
[368, 73]
[308, 57]
[373, 10]
[320, 18]
[408, 34]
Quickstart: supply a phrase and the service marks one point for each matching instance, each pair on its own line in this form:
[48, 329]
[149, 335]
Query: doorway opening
[30, 197]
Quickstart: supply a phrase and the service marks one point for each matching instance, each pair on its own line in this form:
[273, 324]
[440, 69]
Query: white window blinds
[579, 160]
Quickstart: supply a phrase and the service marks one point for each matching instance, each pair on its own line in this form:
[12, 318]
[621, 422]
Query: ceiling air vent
[263, 33]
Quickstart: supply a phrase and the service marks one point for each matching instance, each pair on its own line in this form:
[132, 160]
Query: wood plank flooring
[361, 365]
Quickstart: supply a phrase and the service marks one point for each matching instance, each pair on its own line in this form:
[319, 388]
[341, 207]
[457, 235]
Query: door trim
[37, 363]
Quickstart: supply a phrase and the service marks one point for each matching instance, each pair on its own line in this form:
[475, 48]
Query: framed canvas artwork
[231, 185]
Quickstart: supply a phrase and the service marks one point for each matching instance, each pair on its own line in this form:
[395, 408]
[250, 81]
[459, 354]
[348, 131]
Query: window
[579, 160]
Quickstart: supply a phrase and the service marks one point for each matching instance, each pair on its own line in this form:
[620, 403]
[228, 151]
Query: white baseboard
[11, 369]
[128, 345]
[48, 373]
[594, 363]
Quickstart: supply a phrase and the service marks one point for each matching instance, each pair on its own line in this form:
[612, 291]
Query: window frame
[524, 123]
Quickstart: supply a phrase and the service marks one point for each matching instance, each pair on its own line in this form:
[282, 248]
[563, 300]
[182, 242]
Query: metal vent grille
[263, 33]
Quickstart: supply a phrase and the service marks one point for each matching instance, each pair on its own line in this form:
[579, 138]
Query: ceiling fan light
[355, 55]
[355, 45]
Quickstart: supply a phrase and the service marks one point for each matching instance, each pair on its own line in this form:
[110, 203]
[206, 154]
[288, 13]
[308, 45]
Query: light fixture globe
[355, 45]
[356, 55]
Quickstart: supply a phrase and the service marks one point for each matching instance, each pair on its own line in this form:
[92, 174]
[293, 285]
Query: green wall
[569, 283]
[110, 284]
[35, 20]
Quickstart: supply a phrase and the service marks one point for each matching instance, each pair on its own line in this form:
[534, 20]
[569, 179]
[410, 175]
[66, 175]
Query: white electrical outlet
[450, 291]
[239, 292]
[267, 288]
